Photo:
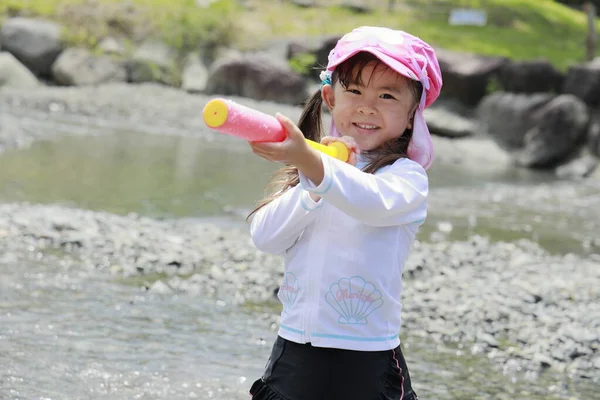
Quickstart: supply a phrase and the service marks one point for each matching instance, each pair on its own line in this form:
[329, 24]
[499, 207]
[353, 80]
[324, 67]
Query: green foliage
[303, 62]
[493, 85]
[187, 27]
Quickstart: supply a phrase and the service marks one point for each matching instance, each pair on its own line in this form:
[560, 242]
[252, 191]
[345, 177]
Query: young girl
[346, 229]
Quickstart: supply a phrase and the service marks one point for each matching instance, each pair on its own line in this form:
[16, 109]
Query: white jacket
[344, 255]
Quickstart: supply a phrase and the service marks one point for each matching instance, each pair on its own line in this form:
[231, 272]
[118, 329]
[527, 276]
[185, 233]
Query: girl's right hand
[350, 144]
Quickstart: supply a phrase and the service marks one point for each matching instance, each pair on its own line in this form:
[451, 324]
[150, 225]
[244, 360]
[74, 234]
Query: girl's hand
[293, 150]
[350, 144]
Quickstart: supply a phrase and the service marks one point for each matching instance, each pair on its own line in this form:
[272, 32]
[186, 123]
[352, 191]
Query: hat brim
[391, 62]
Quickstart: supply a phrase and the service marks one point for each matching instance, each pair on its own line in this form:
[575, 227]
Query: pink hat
[409, 56]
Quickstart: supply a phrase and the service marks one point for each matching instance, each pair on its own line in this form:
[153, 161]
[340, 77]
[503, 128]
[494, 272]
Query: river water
[68, 333]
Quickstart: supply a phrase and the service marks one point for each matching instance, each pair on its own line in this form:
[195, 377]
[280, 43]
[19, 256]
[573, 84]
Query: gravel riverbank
[524, 308]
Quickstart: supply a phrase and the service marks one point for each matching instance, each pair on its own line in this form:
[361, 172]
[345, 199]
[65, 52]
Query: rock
[160, 287]
[543, 360]
[195, 75]
[357, 7]
[579, 168]
[14, 74]
[36, 43]
[530, 77]
[304, 3]
[531, 293]
[256, 77]
[110, 45]
[466, 76]
[583, 81]
[506, 117]
[77, 66]
[443, 122]
[594, 133]
[153, 62]
[487, 339]
[560, 128]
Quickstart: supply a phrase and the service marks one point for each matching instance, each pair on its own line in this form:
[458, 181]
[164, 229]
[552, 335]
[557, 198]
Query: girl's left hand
[293, 150]
[350, 144]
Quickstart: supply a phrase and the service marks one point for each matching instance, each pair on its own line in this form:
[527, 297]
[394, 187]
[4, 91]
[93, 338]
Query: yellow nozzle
[215, 113]
[336, 149]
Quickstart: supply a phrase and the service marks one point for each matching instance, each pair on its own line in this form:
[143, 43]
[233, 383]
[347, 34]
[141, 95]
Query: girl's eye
[387, 96]
[353, 91]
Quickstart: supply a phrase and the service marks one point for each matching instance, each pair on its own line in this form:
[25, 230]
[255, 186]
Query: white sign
[467, 16]
[204, 3]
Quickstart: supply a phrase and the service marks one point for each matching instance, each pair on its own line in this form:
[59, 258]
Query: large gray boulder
[14, 74]
[583, 81]
[467, 76]
[506, 117]
[539, 130]
[578, 168]
[531, 76]
[594, 133]
[36, 43]
[257, 77]
[76, 66]
[560, 130]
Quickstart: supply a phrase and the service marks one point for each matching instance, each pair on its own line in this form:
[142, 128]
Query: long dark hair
[311, 125]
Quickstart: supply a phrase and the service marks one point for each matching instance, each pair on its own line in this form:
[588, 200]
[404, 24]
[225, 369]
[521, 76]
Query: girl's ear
[327, 96]
[411, 118]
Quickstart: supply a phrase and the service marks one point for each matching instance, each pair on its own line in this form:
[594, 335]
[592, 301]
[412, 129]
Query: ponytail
[311, 123]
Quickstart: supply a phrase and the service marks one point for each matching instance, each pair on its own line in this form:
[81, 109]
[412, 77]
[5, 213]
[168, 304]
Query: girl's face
[377, 108]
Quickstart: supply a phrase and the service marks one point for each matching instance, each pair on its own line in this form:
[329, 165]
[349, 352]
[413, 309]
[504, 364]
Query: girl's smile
[368, 128]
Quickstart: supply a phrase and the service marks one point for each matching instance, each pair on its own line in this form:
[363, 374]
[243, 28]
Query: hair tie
[325, 78]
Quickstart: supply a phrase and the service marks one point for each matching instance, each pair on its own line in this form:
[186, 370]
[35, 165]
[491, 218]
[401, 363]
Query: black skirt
[303, 372]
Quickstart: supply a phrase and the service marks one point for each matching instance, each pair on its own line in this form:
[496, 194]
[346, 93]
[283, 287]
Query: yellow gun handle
[336, 149]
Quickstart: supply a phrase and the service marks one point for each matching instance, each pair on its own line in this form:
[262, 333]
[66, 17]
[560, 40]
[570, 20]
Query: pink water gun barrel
[226, 116]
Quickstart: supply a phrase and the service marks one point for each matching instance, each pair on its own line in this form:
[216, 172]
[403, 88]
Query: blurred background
[126, 268]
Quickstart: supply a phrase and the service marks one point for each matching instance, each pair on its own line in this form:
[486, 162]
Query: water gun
[228, 117]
